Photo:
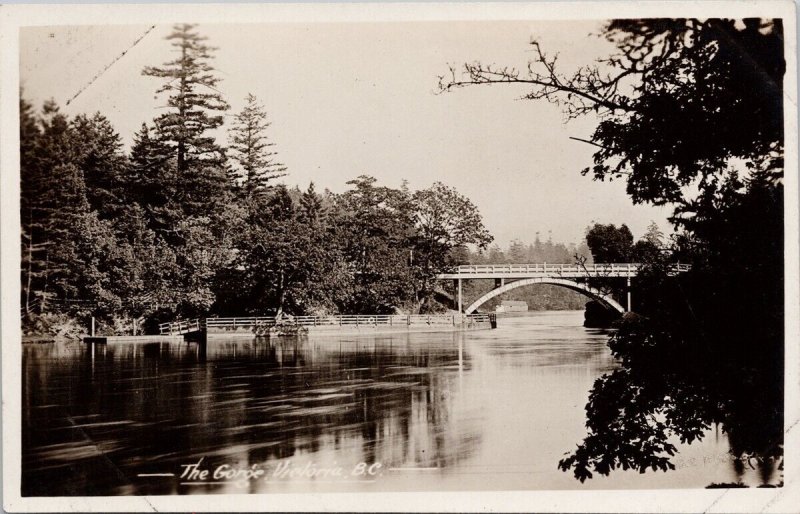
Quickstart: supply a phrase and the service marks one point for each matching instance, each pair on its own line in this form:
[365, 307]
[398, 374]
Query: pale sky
[359, 98]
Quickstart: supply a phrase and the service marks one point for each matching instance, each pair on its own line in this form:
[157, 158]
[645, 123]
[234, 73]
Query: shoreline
[223, 335]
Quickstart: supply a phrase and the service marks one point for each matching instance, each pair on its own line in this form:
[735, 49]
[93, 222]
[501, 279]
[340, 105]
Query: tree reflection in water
[154, 407]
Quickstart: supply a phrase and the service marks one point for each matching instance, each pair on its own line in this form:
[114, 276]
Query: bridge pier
[628, 291]
[499, 282]
[458, 299]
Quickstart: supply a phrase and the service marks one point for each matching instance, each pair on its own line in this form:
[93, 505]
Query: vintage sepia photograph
[378, 255]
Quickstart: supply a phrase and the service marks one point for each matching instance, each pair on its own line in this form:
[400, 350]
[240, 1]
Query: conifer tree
[311, 209]
[251, 149]
[152, 181]
[195, 105]
[193, 97]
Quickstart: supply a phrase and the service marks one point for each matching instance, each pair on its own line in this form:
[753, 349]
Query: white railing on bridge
[360, 320]
[548, 268]
[573, 270]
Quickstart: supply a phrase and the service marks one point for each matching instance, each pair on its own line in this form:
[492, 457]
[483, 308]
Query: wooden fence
[361, 320]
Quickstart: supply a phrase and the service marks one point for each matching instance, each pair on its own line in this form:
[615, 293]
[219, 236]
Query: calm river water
[485, 410]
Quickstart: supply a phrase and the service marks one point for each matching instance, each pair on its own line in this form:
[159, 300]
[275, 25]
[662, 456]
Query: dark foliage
[176, 229]
[684, 105]
[609, 243]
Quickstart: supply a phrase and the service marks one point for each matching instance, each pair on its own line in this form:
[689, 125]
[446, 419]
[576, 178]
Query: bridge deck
[625, 270]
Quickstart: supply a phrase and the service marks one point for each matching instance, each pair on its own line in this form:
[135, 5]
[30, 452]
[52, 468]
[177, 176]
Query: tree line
[184, 225]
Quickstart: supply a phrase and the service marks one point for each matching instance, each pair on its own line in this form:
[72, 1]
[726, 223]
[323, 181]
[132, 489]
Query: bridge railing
[546, 268]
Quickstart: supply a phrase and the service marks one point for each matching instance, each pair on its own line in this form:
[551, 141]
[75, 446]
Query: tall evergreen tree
[193, 100]
[193, 96]
[251, 149]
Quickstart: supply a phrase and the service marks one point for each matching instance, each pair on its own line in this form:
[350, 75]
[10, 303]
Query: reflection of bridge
[571, 276]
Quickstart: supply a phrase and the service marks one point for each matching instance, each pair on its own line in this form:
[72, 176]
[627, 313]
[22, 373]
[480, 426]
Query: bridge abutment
[459, 297]
[628, 293]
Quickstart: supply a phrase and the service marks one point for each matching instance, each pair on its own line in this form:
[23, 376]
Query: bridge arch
[584, 289]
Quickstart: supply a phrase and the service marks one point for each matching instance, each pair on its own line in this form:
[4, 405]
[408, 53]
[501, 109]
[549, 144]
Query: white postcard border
[12, 17]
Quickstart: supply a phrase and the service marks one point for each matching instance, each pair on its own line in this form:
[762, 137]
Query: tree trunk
[28, 278]
[43, 304]
[182, 117]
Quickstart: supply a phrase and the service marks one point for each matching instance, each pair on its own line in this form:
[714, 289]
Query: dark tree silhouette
[685, 105]
[609, 243]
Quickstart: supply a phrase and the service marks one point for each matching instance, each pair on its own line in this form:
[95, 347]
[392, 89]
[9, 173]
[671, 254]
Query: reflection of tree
[159, 406]
[388, 395]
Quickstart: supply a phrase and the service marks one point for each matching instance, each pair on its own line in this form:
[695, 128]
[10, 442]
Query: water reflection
[475, 411]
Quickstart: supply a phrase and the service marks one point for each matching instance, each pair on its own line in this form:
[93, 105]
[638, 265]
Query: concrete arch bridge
[576, 277]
